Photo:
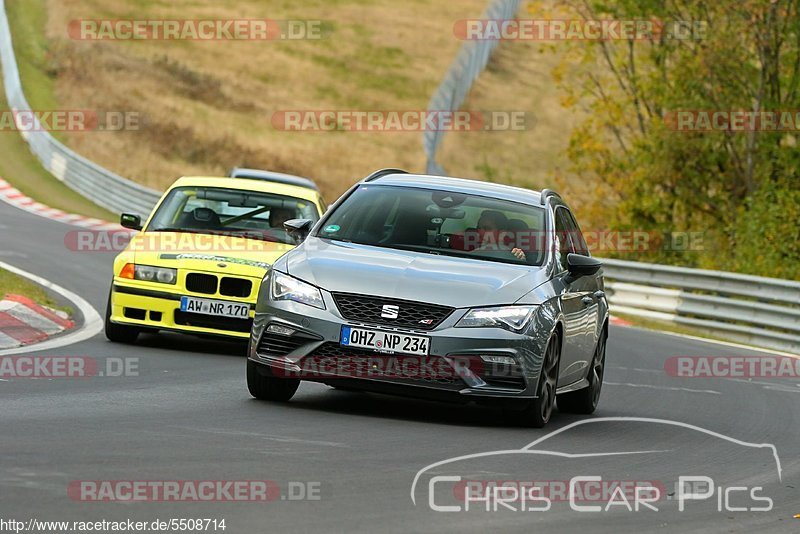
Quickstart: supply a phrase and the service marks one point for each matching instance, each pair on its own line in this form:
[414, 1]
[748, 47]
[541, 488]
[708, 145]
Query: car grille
[235, 287]
[416, 315]
[348, 362]
[201, 283]
[232, 324]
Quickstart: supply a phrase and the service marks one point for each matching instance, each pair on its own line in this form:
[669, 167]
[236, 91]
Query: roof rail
[383, 172]
[547, 193]
[269, 176]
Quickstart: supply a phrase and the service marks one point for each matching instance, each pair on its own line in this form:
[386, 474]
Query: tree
[741, 188]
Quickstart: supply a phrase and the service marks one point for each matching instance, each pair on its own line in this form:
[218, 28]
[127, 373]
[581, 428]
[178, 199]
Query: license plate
[378, 340]
[220, 308]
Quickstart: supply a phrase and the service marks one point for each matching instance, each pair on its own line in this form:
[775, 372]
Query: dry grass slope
[206, 106]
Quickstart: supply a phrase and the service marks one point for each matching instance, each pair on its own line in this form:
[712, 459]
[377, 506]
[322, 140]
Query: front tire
[118, 333]
[262, 386]
[584, 401]
[538, 412]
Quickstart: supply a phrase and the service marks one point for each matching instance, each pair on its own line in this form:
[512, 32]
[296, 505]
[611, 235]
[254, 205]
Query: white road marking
[639, 370]
[666, 388]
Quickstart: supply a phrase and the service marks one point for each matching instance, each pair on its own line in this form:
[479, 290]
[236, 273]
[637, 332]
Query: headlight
[514, 318]
[163, 275]
[285, 287]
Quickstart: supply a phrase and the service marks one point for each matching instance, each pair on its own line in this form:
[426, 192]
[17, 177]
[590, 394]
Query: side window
[578, 242]
[562, 240]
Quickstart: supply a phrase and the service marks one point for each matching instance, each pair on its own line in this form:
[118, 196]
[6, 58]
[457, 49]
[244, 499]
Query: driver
[492, 222]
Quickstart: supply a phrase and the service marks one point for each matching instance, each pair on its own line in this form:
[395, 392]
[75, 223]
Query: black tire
[263, 386]
[539, 410]
[118, 333]
[584, 401]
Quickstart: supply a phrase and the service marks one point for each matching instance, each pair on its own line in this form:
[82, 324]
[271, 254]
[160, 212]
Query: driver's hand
[519, 254]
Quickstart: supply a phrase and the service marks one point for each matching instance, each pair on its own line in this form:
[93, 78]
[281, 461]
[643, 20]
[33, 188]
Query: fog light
[280, 330]
[508, 360]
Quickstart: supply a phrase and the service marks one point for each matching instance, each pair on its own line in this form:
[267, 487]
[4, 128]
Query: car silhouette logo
[390, 311]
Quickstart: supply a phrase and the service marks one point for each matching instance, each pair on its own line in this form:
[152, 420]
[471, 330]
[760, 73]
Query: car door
[589, 287]
[573, 350]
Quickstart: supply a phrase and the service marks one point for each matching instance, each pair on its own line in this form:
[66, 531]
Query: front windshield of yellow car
[216, 210]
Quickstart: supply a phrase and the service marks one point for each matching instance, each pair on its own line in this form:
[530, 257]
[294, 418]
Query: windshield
[214, 210]
[439, 222]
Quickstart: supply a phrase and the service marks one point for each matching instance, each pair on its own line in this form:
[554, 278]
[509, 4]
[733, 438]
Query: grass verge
[20, 168]
[666, 326]
[17, 164]
[12, 284]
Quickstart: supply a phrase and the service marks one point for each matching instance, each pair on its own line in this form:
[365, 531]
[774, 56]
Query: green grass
[21, 168]
[11, 284]
[17, 164]
[667, 326]
[27, 19]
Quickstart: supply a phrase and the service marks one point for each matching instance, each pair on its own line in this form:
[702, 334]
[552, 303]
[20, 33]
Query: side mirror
[298, 229]
[129, 220]
[579, 265]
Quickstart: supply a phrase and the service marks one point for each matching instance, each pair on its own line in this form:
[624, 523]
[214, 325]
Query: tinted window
[563, 243]
[439, 222]
[575, 235]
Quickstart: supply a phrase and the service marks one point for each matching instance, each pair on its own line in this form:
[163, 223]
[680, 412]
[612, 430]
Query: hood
[445, 280]
[205, 252]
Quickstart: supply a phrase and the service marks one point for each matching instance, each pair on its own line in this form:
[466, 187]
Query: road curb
[90, 326]
[24, 322]
[617, 321]
[14, 197]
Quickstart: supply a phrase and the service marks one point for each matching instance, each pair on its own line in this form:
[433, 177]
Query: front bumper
[144, 306]
[454, 367]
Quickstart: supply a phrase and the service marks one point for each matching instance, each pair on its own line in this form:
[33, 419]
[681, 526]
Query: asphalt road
[188, 416]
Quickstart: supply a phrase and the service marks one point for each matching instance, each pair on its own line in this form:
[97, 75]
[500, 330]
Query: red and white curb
[616, 321]
[24, 322]
[91, 323]
[11, 195]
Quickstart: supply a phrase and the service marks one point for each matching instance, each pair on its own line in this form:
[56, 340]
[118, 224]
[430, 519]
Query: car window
[230, 211]
[563, 243]
[575, 234]
[439, 222]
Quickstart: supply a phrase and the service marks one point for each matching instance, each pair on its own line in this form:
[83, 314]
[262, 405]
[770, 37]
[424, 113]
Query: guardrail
[749, 309]
[472, 58]
[99, 185]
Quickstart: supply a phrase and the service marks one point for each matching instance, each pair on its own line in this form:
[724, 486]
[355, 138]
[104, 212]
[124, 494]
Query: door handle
[599, 294]
[587, 300]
